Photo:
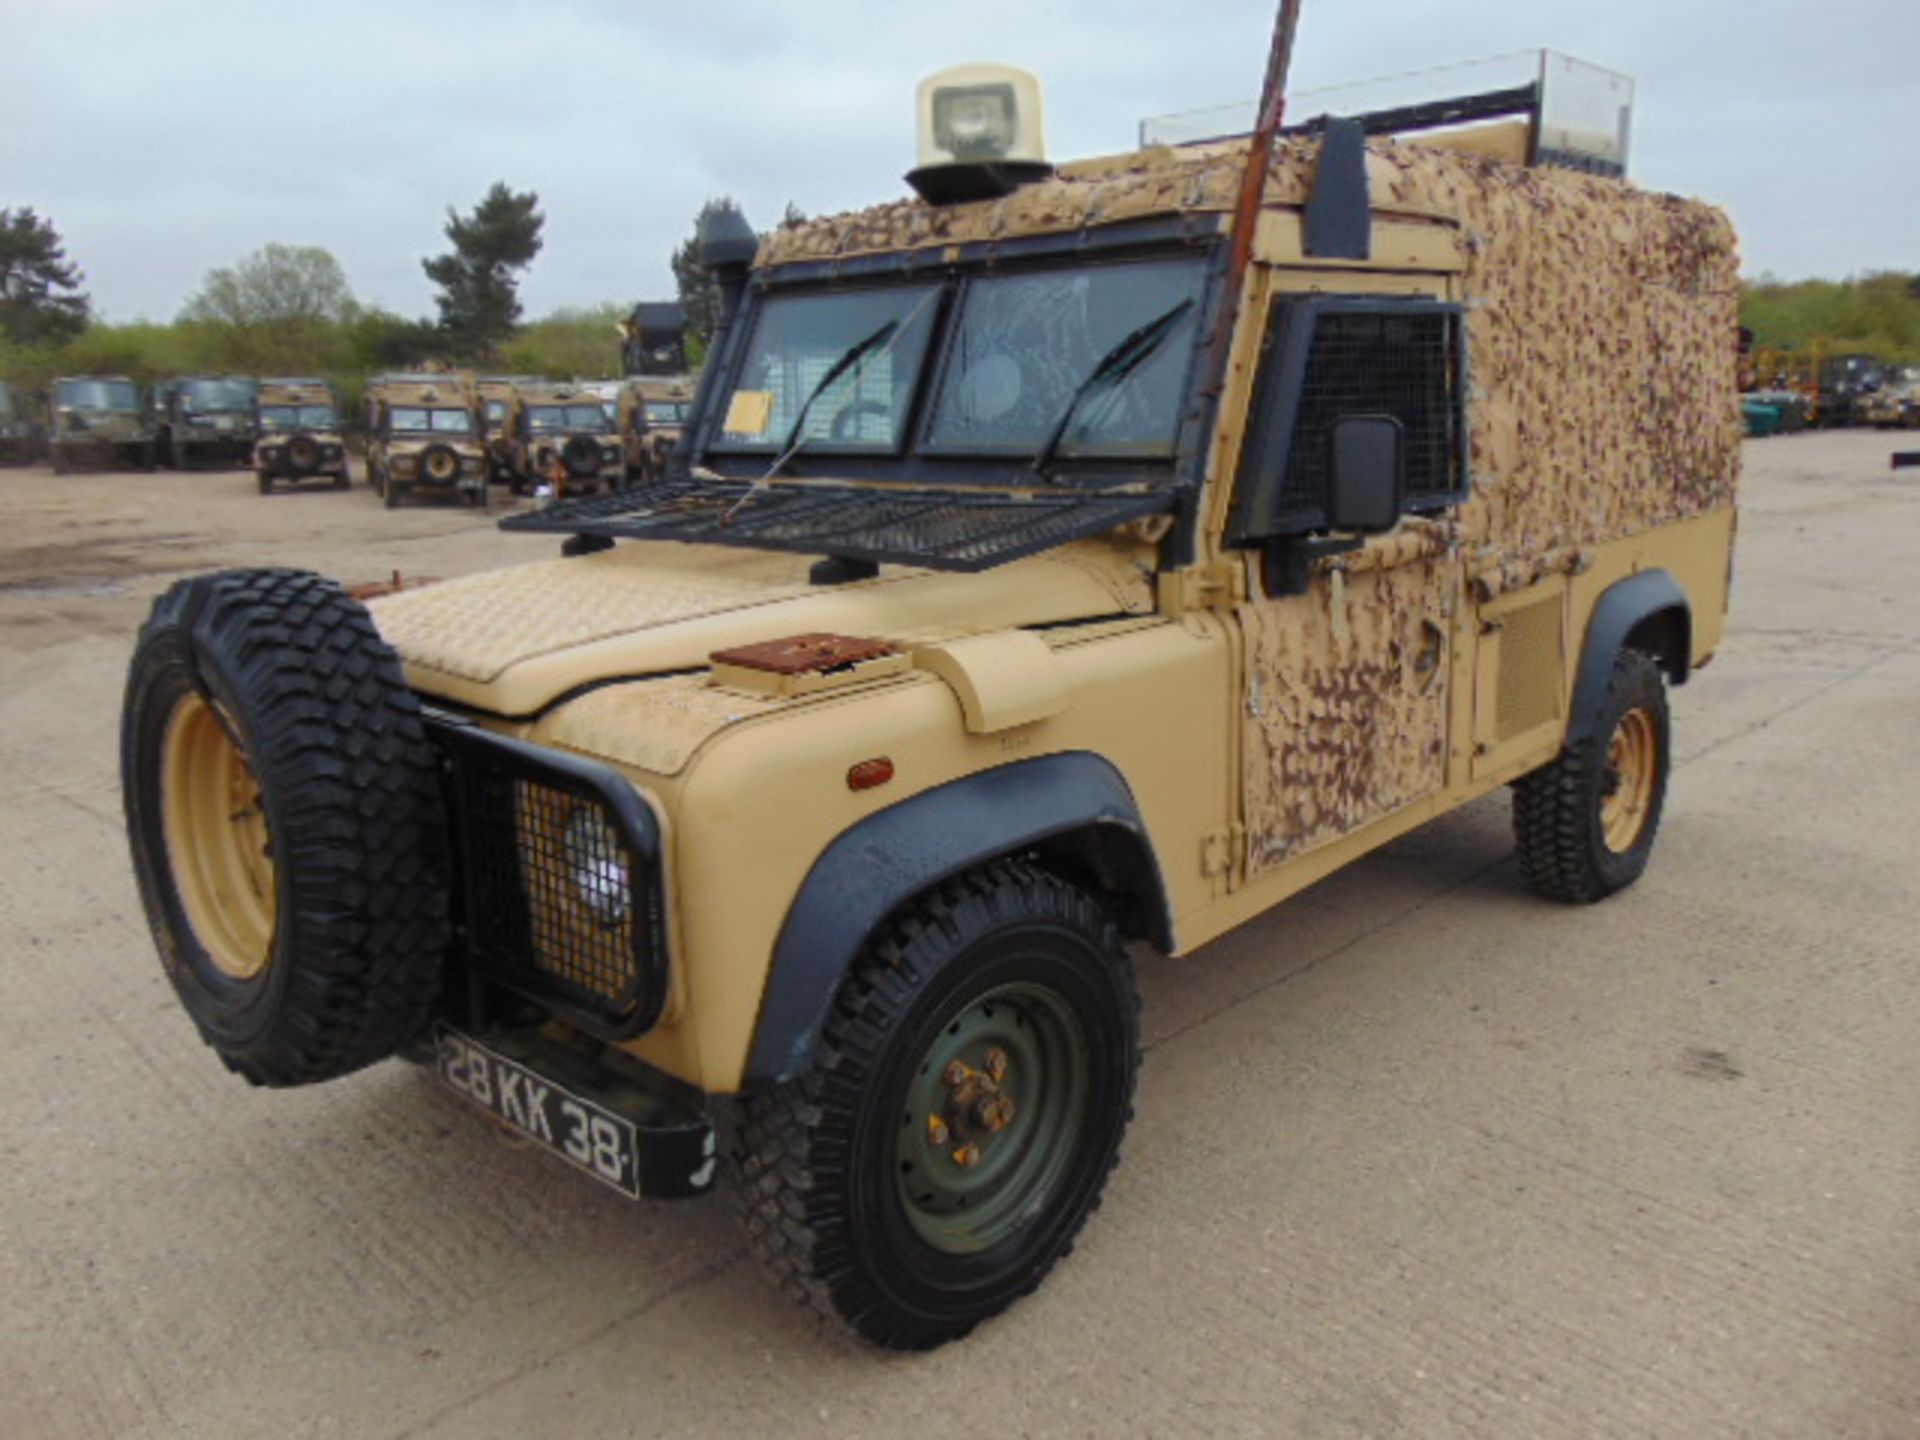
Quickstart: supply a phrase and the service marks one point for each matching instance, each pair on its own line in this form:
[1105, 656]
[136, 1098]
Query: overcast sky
[167, 138]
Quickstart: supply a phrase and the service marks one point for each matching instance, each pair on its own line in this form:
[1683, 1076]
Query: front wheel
[961, 1116]
[1584, 826]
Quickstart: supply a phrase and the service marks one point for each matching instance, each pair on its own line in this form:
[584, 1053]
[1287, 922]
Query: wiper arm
[1116, 364]
[849, 357]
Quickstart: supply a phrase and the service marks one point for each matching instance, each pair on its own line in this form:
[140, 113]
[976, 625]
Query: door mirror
[1369, 473]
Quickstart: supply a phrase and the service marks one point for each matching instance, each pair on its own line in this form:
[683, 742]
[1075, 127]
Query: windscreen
[553, 418]
[441, 422]
[666, 412]
[871, 342]
[216, 395]
[1110, 343]
[297, 417]
[97, 395]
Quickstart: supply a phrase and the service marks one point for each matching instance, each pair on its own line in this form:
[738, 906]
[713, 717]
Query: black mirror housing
[1369, 474]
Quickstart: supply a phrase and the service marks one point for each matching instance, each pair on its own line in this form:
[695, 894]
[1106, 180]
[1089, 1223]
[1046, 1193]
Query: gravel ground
[1416, 1153]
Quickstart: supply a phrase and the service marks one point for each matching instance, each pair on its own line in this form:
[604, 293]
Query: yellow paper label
[749, 412]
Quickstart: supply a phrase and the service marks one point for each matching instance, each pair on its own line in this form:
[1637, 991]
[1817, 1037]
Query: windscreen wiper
[1119, 362]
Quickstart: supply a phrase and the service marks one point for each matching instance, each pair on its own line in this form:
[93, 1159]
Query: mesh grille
[938, 529]
[1530, 669]
[1377, 362]
[561, 903]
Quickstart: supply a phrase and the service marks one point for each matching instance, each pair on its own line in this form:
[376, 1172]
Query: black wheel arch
[1073, 812]
[1647, 611]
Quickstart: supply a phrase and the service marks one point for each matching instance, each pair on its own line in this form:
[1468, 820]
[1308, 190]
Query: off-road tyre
[315, 707]
[816, 1158]
[1558, 827]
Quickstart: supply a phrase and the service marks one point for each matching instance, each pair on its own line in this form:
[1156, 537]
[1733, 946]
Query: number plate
[587, 1136]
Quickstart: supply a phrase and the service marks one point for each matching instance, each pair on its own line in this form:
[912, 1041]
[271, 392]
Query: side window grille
[1332, 357]
[1379, 363]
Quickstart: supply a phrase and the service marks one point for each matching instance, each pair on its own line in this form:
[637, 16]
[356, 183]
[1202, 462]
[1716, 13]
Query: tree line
[288, 310]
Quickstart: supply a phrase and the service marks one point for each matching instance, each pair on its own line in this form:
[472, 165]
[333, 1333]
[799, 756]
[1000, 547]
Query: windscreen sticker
[749, 412]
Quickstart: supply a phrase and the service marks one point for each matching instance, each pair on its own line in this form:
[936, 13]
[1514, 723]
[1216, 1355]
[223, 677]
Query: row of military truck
[450, 430]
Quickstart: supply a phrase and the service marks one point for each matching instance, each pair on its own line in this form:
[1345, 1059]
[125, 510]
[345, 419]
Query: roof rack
[1570, 113]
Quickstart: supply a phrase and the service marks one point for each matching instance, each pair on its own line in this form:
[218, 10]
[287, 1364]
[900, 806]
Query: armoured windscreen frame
[1329, 357]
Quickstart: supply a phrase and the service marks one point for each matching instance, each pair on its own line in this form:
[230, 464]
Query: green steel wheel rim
[991, 1115]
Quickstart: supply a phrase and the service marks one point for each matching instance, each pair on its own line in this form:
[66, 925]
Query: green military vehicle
[205, 419]
[99, 420]
[299, 434]
[19, 431]
[1062, 561]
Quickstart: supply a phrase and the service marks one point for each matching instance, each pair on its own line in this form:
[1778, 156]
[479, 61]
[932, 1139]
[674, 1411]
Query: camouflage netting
[1602, 322]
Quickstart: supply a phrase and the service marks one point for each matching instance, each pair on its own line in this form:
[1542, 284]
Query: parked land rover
[98, 420]
[559, 436]
[202, 419]
[299, 429]
[1058, 559]
[19, 434]
[422, 432]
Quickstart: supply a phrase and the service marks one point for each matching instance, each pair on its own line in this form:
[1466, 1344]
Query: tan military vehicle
[495, 392]
[651, 413]
[98, 419]
[300, 439]
[650, 416]
[561, 437]
[422, 431]
[1895, 405]
[1058, 561]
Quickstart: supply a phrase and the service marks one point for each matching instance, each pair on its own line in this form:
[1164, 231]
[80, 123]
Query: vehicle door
[1349, 629]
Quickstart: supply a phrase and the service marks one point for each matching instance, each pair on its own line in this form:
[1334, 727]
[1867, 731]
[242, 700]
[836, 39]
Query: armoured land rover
[1058, 560]
[559, 436]
[205, 418]
[19, 434]
[300, 439]
[421, 432]
[100, 420]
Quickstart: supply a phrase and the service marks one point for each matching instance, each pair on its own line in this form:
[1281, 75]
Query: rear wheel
[284, 814]
[962, 1114]
[1584, 826]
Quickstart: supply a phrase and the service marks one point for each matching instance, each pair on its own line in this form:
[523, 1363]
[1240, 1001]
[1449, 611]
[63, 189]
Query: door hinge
[1217, 586]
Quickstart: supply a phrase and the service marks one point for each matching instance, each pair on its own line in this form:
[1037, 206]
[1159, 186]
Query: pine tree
[479, 296]
[41, 302]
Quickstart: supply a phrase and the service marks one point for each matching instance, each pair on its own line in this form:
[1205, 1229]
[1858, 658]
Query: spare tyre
[288, 830]
[303, 454]
[439, 464]
[581, 456]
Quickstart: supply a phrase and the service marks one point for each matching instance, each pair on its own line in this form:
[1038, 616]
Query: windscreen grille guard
[962, 530]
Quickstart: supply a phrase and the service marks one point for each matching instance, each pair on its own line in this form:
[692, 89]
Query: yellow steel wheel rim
[1633, 756]
[218, 846]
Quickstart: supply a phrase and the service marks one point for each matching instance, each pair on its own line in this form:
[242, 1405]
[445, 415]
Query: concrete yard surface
[1416, 1154]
